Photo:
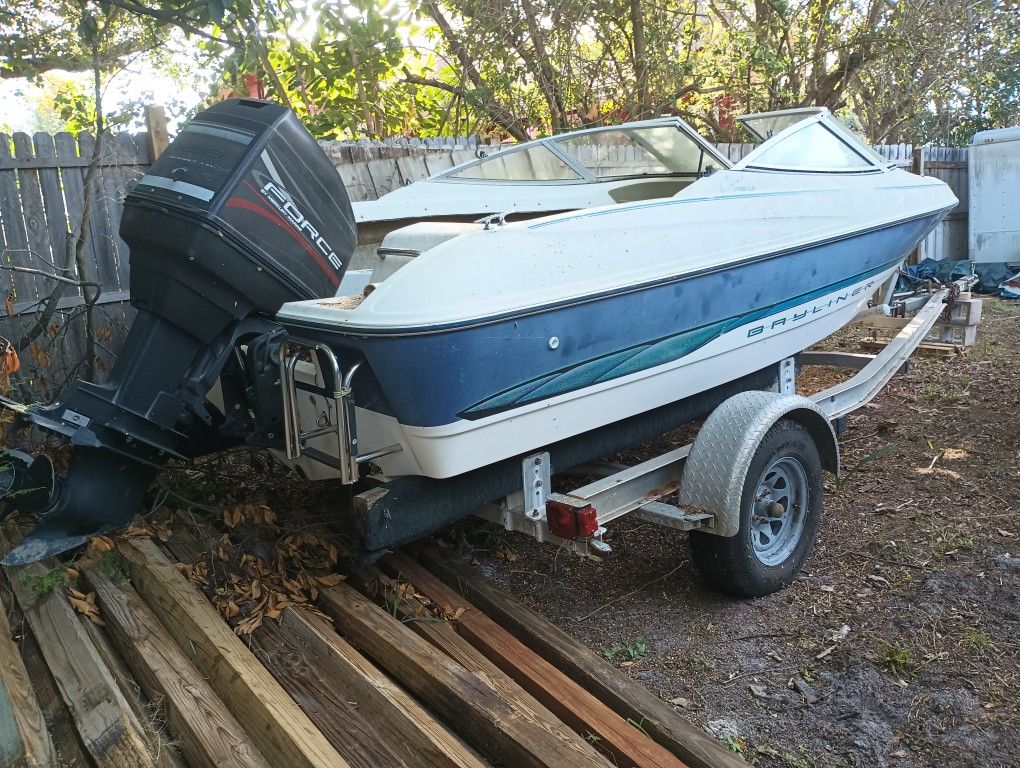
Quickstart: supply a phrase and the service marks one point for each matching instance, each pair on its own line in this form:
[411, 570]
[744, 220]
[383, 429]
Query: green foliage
[898, 659]
[903, 71]
[629, 650]
[42, 584]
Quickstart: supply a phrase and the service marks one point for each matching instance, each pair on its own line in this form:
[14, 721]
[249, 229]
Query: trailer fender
[715, 471]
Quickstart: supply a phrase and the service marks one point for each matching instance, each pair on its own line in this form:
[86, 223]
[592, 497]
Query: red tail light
[569, 522]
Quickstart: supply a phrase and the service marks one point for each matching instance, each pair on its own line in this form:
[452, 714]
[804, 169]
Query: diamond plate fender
[714, 475]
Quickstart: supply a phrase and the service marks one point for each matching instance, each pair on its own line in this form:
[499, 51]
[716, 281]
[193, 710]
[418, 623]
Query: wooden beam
[327, 704]
[420, 739]
[283, 733]
[444, 636]
[108, 728]
[24, 738]
[209, 736]
[157, 138]
[70, 751]
[161, 745]
[468, 704]
[569, 701]
[627, 698]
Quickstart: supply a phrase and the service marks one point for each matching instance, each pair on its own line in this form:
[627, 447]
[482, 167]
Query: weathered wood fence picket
[41, 209]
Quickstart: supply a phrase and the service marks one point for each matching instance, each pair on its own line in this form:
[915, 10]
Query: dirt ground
[898, 645]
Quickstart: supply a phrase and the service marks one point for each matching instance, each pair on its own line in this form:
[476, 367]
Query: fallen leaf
[101, 543]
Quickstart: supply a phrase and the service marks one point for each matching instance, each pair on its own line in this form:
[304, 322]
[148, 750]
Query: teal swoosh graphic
[644, 356]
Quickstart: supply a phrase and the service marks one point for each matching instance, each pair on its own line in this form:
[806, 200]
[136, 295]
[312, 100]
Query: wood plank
[627, 698]
[443, 635]
[463, 700]
[437, 162]
[41, 255]
[418, 737]
[74, 195]
[99, 220]
[281, 730]
[66, 741]
[570, 702]
[107, 727]
[157, 136]
[412, 168]
[53, 200]
[328, 705]
[15, 238]
[385, 175]
[162, 748]
[24, 738]
[209, 736]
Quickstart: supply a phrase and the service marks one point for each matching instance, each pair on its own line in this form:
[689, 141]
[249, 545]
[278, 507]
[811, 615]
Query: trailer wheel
[780, 506]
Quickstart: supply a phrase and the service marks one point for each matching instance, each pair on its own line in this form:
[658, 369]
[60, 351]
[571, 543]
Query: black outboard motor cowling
[242, 213]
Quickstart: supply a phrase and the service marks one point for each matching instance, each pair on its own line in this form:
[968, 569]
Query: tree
[37, 36]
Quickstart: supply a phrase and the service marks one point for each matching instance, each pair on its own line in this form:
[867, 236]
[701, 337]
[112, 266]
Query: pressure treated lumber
[161, 746]
[574, 705]
[463, 700]
[444, 636]
[629, 699]
[108, 729]
[208, 735]
[283, 733]
[327, 704]
[420, 739]
[66, 744]
[24, 739]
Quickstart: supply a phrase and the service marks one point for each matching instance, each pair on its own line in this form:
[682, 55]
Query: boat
[580, 332]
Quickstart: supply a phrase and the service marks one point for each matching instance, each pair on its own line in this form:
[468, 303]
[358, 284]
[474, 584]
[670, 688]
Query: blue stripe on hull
[432, 379]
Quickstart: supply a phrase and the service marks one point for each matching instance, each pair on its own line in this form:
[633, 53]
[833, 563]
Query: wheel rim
[778, 510]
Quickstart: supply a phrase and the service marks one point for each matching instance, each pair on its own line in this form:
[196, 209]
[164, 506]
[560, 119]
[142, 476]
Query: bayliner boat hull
[503, 386]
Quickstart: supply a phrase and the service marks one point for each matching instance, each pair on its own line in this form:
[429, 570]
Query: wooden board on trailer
[629, 699]
[569, 701]
[281, 730]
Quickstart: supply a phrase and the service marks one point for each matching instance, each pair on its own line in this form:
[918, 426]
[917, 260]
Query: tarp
[991, 277]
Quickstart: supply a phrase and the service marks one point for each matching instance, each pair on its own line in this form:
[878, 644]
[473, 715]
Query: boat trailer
[709, 473]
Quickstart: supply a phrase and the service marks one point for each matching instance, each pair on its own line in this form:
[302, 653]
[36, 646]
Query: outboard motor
[242, 213]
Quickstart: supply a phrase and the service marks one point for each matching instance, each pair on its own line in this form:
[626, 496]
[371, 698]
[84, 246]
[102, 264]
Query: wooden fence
[41, 200]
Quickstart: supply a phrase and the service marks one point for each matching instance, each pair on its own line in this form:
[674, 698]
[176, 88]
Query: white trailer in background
[994, 176]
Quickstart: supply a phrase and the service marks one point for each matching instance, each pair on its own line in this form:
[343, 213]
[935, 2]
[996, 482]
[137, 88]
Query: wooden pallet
[371, 680]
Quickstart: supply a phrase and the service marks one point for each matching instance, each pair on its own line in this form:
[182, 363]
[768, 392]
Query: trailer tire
[780, 508]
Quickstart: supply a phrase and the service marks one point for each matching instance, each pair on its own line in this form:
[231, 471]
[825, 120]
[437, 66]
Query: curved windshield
[765, 125]
[813, 147]
[534, 163]
[651, 151]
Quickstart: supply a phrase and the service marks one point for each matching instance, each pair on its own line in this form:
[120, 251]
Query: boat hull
[461, 397]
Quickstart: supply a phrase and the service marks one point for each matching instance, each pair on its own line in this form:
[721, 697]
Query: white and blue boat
[485, 341]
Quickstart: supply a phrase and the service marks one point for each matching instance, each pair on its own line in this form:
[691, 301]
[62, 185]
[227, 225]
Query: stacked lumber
[415, 663]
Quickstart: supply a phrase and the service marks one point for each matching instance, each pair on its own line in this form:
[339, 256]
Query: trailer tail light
[569, 522]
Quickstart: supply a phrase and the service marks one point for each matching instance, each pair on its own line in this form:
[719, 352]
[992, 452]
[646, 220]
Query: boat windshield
[625, 152]
[808, 140]
[532, 162]
[765, 125]
[660, 147]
